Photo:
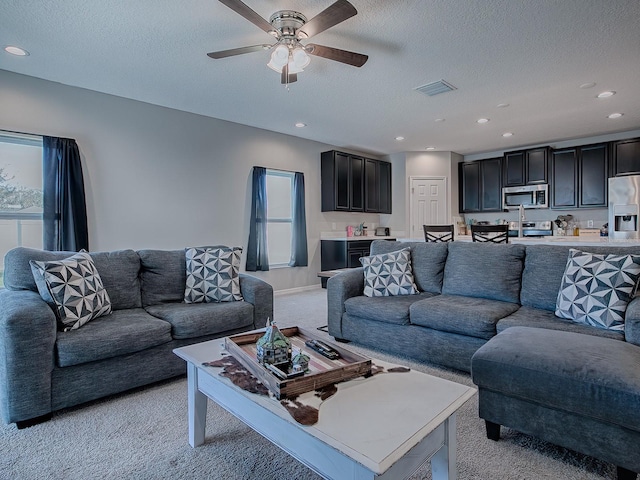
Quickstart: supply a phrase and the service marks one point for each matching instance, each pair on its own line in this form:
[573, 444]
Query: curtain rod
[279, 169]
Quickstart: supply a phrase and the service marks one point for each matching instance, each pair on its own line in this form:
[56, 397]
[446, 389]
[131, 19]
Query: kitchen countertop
[551, 240]
[355, 239]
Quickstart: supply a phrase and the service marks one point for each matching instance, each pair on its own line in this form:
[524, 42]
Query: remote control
[322, 349]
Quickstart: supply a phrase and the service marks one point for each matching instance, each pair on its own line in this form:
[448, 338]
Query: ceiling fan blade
[332, 15]
[238, 51]
[344, 56]
[242, 9]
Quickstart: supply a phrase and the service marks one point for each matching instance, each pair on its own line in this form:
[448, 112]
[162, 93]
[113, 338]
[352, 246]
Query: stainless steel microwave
[529, 196]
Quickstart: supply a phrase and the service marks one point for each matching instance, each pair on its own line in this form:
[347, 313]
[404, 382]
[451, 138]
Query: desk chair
[438, 233]
[490, 233]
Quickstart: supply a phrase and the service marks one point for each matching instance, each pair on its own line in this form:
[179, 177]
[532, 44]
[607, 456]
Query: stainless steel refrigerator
[624, 206]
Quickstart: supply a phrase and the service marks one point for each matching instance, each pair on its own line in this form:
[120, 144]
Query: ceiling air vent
[435, 88]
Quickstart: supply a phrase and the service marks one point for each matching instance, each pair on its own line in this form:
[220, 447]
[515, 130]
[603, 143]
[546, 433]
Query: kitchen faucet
[520, 219]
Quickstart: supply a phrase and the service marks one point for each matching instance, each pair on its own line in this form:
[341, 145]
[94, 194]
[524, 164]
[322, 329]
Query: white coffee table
[382, 427]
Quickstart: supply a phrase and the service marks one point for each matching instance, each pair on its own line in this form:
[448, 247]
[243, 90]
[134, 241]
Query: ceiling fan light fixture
[279, 58]
[300, 58]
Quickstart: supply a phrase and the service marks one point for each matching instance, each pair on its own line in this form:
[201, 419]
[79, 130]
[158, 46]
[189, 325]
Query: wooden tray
[322, 371]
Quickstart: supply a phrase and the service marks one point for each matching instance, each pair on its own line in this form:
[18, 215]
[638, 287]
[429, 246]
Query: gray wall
[161, 178]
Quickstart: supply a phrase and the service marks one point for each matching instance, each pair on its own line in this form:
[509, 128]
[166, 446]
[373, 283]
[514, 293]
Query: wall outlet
[333, 225]
[590, 224]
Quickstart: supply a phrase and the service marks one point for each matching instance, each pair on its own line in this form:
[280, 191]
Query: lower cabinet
[340, 253]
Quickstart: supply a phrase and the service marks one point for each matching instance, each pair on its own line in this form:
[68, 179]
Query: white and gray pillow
[596, 289]
[73, 288]
[388, 274]
[212, 274]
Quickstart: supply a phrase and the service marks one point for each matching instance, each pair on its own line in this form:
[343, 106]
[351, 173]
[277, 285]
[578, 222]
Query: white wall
[161, 178]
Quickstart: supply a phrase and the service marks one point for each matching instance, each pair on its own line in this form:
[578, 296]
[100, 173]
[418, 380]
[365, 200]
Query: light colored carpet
[143, 435]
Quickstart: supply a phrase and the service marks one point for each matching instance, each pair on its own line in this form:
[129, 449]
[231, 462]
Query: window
[20, 193]
[279, 217]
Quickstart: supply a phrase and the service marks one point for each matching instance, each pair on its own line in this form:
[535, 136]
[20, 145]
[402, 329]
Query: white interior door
[428, 204]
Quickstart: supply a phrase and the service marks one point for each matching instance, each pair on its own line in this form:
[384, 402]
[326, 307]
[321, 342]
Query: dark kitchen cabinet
[491, 185]
[593, 167]
[385, 187]
[564, 178]
[625, 157]
[513, 169]
[469, 188]
[579, 177]
[340, 253]
[481, 186]
[535, 164]
[525, 167]
[351, 183]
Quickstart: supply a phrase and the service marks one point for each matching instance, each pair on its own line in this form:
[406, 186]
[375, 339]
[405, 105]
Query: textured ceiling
[531, 54]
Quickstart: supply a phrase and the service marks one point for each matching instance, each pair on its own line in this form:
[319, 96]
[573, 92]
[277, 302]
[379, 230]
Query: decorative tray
[321, 370]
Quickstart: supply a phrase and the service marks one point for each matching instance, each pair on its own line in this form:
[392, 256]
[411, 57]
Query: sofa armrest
[340, 287]
[27, 339]
[632, 322]
[260, 294]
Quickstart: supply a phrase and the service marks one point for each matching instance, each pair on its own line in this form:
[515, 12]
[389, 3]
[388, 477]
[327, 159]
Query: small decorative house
[300, 361]
[273, 347]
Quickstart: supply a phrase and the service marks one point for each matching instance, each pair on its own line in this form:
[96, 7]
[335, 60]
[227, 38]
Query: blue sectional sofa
[43, 369]
[490, 309]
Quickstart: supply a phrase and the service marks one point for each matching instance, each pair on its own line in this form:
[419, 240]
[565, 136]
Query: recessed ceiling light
[301, 125]
[482, 120]
[507, 134]
[502, 105]
[606, 94]
[399, 139]
[430, 148]
[16, 51]
[615, 115]
[588, 85]
[439, 120]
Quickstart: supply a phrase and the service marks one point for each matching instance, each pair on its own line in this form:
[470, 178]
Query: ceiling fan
[290, 56]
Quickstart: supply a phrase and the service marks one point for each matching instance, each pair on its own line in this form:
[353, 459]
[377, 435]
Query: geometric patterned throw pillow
[212, 274]
[73, 288]
[388, 274]
[596, 289]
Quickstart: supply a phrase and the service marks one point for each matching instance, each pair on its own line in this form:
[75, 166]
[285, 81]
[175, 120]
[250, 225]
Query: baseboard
[296, 290]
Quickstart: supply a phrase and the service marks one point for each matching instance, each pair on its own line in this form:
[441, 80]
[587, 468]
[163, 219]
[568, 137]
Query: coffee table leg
[197, 407]
[443, 463]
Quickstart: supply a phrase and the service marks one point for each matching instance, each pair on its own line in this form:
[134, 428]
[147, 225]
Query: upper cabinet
[579, 177]
[352, 183]
[525, 167]
[625, 157]
[481, 186]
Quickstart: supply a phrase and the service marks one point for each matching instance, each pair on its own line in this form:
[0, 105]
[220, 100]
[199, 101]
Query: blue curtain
[257, 255]
[299, 256]
[64, 209]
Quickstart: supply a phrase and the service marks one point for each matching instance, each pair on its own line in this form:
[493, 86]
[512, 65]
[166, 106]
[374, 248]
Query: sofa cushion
[163, 276]
[212, 274]
[388, 274]
[539, 318]
[484, 270]
[427, 260]
[119, 271]
[384, 309]
[471, 316]
[583, 374]
[197, 319]
[596, 289]
[121, 333]
[73, 288]
[543, 269]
